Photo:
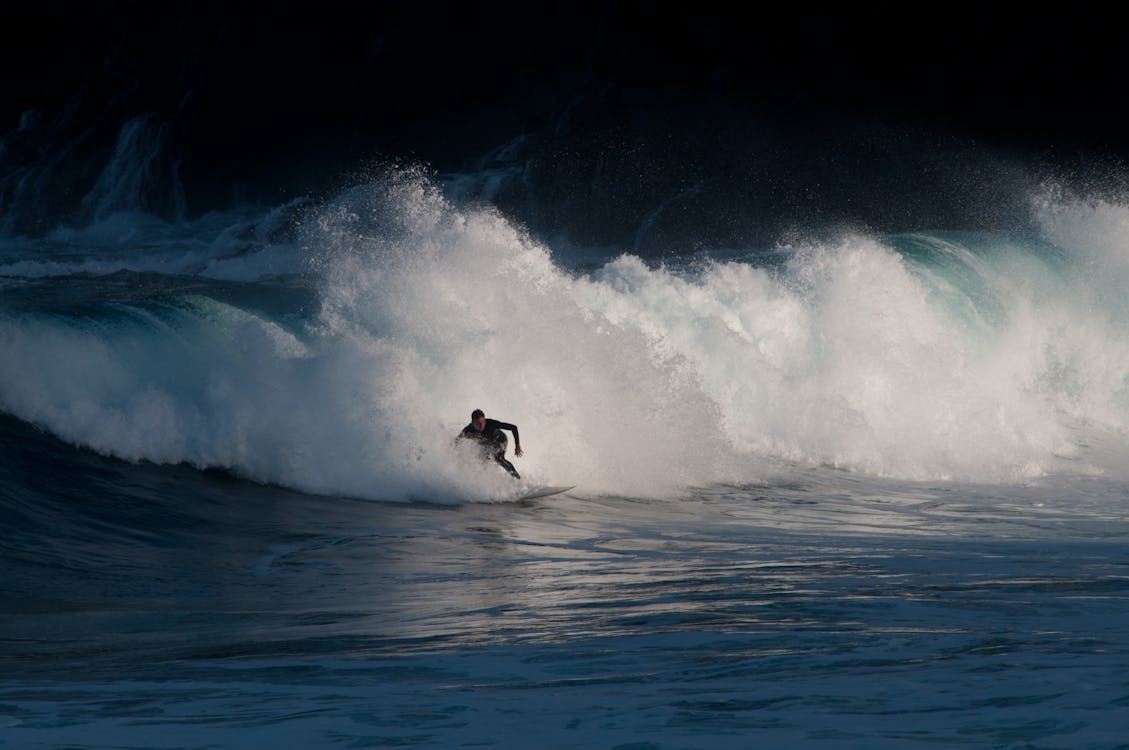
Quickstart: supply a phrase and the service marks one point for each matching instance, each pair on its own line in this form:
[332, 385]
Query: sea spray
[343, 354]
[480, 316]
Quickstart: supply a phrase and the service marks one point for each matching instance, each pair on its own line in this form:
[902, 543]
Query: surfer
[488, 434]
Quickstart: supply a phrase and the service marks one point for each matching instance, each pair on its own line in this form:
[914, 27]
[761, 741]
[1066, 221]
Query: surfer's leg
[501, 459]
[499, 443]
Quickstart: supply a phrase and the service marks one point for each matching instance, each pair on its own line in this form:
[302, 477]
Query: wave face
[338, 349]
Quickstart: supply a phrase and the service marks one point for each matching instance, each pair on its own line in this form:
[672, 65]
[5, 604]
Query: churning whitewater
[337, 348]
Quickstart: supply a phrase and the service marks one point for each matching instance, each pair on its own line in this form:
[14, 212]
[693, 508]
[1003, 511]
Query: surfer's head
[478, 419]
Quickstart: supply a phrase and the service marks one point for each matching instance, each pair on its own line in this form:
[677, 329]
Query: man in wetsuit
[488, 434]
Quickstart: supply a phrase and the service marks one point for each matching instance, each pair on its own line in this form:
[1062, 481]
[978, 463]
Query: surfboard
[545, 491]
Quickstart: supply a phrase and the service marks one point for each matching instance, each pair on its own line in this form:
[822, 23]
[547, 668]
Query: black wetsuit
[493, 441]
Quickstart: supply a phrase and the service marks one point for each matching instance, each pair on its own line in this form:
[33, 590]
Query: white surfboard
[533, 492]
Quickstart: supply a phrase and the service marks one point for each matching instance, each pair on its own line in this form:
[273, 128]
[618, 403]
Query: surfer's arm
[517, 438]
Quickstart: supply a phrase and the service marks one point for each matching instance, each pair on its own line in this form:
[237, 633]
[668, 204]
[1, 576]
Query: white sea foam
[923, 356]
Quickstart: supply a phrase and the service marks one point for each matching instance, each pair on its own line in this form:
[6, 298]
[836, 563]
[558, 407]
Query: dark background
[697, 120]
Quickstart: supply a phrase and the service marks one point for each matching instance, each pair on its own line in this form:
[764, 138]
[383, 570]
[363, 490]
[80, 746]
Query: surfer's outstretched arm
[517, 438]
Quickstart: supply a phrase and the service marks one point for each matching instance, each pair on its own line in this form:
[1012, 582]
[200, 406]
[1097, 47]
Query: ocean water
[853, 490]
